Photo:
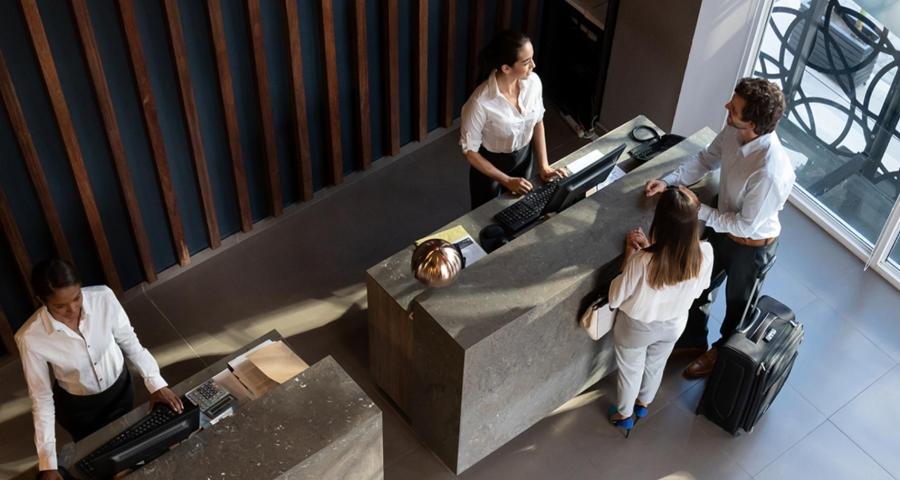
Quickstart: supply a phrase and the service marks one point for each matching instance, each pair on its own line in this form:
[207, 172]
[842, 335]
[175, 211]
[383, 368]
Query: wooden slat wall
[300, 116]
[531, 22]
[476, 32]
[332, 107]
[420, 66]
[189, 107]
[70, 140]
[14, 238]
[151, 120]
[32, 162]
[265, 105]
[504, 14]
[361, 66]
[448, 50]
[327, 27]
[391, 55]
[114, 136]
[231, 119]
[6, 335]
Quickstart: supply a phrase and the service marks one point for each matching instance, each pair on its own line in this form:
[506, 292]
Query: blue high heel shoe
[640, 412]
[625, 424]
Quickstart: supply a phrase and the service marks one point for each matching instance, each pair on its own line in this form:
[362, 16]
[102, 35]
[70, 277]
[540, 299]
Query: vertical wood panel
[32, 162]
[229, 106]
[304, 168]
[361, 67]
[104, 99]
[265, 105]
[161, 162]
[6, 335]
[531, 19]
[420, 65]
[476, 29]
[448, 49]
[189, 107]
[504, 14]
[392, 75]
[70, 140]
[332, 105]
[14, 238]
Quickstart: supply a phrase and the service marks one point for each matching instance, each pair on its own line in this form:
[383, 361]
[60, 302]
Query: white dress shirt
[83, 363]
[631, 293]
[489, 119]
[755, 181]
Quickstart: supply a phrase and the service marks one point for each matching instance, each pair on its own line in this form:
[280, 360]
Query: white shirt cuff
[47, 457]
[705, 212]
[155, 383]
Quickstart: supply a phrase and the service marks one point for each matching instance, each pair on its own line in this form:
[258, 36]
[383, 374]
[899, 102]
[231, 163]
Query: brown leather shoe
[703, 365]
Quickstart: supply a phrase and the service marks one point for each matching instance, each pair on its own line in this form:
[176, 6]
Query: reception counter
[317, 425]
[476, 363]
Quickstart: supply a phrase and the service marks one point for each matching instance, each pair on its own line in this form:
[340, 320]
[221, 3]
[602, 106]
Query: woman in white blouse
[72, 353]
[502, 126]
[660, 279]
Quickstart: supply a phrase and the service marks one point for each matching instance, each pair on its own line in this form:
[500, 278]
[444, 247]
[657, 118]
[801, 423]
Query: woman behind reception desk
[660, 279]
[72, 354]
[502, 127]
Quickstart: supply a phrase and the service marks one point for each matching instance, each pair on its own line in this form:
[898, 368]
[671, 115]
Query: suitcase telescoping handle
[745, 325]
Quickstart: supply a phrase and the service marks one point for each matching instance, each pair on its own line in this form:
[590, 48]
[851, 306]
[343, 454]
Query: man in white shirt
[755, 180]
[72, 354]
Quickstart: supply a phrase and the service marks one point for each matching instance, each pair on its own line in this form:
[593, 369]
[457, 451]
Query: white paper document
[614, 175]
[277, 362]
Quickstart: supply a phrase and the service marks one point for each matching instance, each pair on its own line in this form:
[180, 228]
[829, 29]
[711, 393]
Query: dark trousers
[483, 189]
[82, 415]
[741, 265]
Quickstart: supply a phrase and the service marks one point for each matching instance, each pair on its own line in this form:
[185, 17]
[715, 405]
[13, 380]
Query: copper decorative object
[436, 262]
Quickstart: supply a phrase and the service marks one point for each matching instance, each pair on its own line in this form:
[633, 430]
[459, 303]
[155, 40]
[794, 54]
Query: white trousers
[641, 353]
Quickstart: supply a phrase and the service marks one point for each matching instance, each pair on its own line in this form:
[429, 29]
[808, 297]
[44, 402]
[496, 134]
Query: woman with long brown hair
[661, 276]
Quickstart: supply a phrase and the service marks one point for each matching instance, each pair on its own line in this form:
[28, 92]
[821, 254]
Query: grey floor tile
[872, 421]
[836, 362]
[785, 287]
[420, 464]
[672, 442]
[825, 453]
[789, 419]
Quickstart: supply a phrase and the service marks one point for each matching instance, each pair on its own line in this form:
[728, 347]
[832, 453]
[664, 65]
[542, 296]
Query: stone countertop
[523, 276]
[393, 274]
[271, 436]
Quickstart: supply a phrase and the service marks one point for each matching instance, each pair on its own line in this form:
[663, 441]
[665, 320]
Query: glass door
[839, 67]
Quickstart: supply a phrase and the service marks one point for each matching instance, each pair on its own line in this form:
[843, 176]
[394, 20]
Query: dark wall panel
[153, 30]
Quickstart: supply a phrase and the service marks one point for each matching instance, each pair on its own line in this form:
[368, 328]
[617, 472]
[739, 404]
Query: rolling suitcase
[752, 366]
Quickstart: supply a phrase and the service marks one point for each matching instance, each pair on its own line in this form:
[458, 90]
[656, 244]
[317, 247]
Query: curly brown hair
[765, 103]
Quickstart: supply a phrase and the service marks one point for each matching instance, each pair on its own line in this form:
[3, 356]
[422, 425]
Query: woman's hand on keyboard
[167, 397]
[518, 185]
[549, 174]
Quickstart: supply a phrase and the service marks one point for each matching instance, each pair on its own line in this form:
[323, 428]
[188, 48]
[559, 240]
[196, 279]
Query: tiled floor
[837, 418]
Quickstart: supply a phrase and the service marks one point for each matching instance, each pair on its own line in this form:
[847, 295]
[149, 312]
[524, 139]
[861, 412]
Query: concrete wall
[724, 49]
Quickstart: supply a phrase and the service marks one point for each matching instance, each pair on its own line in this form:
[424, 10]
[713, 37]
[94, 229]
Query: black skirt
[483, 189]
[82, 415]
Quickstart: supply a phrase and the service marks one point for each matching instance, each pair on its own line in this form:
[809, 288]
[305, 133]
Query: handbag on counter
[597, 320]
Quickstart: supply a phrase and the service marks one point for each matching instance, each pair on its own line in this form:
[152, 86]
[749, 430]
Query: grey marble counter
[317, 425]
[478, 362]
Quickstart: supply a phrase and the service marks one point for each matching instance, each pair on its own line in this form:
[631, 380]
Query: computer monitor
[574, 187]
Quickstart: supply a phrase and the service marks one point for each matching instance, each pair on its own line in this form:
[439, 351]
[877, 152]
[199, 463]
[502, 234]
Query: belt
[752, 242]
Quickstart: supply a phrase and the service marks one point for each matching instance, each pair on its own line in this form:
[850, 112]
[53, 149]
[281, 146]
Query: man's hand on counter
[655, 186]
[166, 396]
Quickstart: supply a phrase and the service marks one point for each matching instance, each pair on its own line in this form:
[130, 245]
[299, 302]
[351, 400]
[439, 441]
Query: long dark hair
[52, 274]
[503, 50]
[675, 238]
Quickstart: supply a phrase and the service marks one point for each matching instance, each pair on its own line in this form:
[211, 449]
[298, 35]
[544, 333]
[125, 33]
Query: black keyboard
[528, 209]
[143, 441]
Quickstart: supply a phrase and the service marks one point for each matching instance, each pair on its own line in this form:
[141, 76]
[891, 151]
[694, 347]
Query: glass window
[837, 65]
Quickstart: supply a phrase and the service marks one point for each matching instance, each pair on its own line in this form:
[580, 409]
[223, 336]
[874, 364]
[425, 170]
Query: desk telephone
[652, 144]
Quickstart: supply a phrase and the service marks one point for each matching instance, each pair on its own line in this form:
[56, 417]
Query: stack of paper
[266, 366]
